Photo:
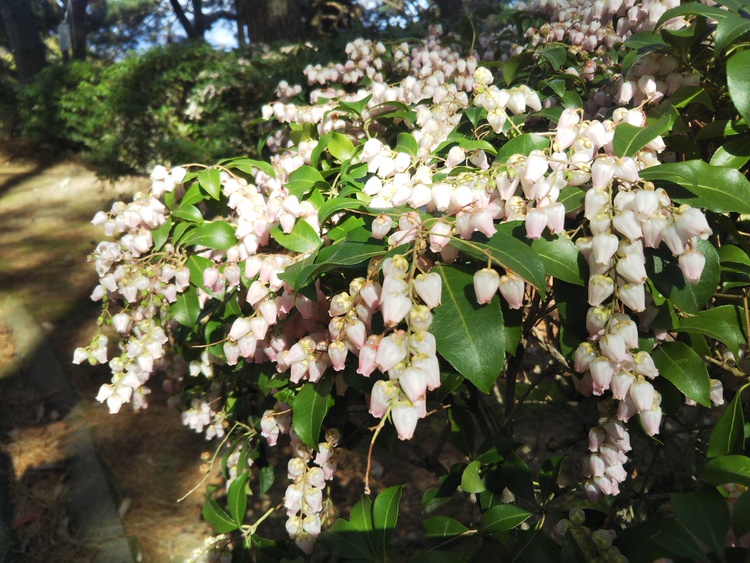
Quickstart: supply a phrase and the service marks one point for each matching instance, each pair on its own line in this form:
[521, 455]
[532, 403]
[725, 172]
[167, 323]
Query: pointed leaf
[629, 139]
[727, 469]
[217, 517]
[678, 541]
[720, 323]
[443, 527]
[738, 80]
[303, 180]
[523, 144]
[341, 147]
[302, 237]
[237, 498]
[218, 235]
[336, 205]
[728, 434]
[267, 477]
[187, 308]
[733, 154]
[704, 513]
[343, 540]
[385, 512]
[210, 182]
[517, 477]
[310, 408]
[471, 480]
[741, 515]
[681, 365]
[562, 259]
[469, 336]
[503, 517]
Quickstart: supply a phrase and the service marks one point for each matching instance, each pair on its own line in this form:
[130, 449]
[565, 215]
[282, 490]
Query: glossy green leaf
[734, 259]
[267, 477]
[237, 498]
[721, 128]
[548, 475]
[503, 517]
[385, 515]
[555, 55]
[188, 213]
[629, 139]
[197, 264]
[644, 39]
[310, 408]
[562, 259]
[471, 480]
[361, 515]
[675, 538]
[348, 253]
[336, 205]
[443, 527]
[187, 308]
[732, 154]
[302, 237]
[572, 198]
[248, 166]
[728, 435]
[217, 517]
[469, 336]
[664, 271]
[341, 147]
[462, 429]
[741, 515]
[730, 29]
[715, 188]
[524, 145]
[517, 477]
[723, 323]
[727, 469]
[210, 182]
[218, 235]
[303, 180]
[688, 95]
[681, 365]
[193, 195]
[406, 142]
[705, 514]
[355, 107]
[161, 234]
[344, 541]
[692, 9]
[738, 80]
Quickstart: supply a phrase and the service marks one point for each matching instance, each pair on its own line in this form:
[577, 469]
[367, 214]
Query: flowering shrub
[422, 221]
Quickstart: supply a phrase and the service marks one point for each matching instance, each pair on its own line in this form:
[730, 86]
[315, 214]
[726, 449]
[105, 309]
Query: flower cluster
[596, 545]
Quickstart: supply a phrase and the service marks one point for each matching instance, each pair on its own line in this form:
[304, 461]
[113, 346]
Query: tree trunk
[274, 20]
[78, 28]
[239, 8]
[23, 37]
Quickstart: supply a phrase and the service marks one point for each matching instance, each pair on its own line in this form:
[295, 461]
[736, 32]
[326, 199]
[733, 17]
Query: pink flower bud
[240, 328]
[395, 307]
[338, 351]
[232, 352]
[692, 263]
[717, 393]
[486, 284]
[593, 466]
[613, 346]
[620, 384]
[603, 248]
[651, 419]
[405, 419]
[602, 172]
[596, 320]
[643, 364]
[512, 288]
[642, 394]
[391, 351]
[632, 269]
[555, 217]
[367, 356]
[600, 288]
[210, 276]
[413, 383]
[536, 221]
[381, 226]
[633, 296]
[602, 370]
[439, 235]
[248, 345]
[429, 288]
[584, 355]
[596, 438]
[382, 395]
[256, 293]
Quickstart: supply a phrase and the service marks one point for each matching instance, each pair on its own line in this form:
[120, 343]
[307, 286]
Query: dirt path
[152, 460]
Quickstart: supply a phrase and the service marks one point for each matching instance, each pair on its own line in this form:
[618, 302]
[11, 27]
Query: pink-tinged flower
[439, 235]
[481, 220]
[414, 383]
[248, 345]
[610, 454]
[256, 293]
[596, 320]
[405, 419]
[210, 276]
[620, 384]
[370, 294]
[311, 524]
[429, 287]
[593, 465]
[626, 409]
[633, 296]
[651, 419]
[381, 226]
[692, 263]
[676, 243]
[420, 318]
[382, 395]
[298, 371]
[455, 157]
[585, 354]
[259, 327]
[391, 351]
[395, 307]
[717, 393]
[536, 167]
[603, 248]
[642, 394]
[232, 352]
[512, 288]
[602, 172]
[338, 351]
[653, 230]
[632, 269]
[314, 499]
[595, 202]
[122, 322]
[367, 355]
[555, 217]
[643, 364]
[613, 346]
[597, 436]
[626, 222]
[602, 370]
[591, 491]
[536, 221]
[240, 328]
[600, 288]
[441, 195]
[356, 332]
[486, 284]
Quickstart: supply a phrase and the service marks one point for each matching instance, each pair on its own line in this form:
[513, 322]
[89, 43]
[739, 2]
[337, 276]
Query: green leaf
[517, 477]
[443, 527]
[303, 180]
[336, 205]
[548, 475]
[523, 144]
[385, 515]
[310, 408]
[471, 480]
[664, 271]
[267, 477]
[715, 188]
[187, 308]
[188, 213]
[555, 55]
[721, 323]
[210, 181]
[644, 39]
[727, 469]
[503, 517]
[218, 235]
[734, 259]
[738, 80]
[681, 365]
[197, 264]
[729, 30]
[354, 107]
[348, 253]
[302, 237]
[407, 143]
[562, 259]
[721, 128]
[678, 541]
[629, 139]
[691, 95]
[732, 154]
[704, 513]
[193, 195]
[343, 540]
[728, 434]
[572, 198]
[692, 9]
[217, 517]
[741, 515]
[161, 234]
[469, 336]
[462, 429]
[237, 498]
[361, 515]
[341, 147]
[248, 166]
